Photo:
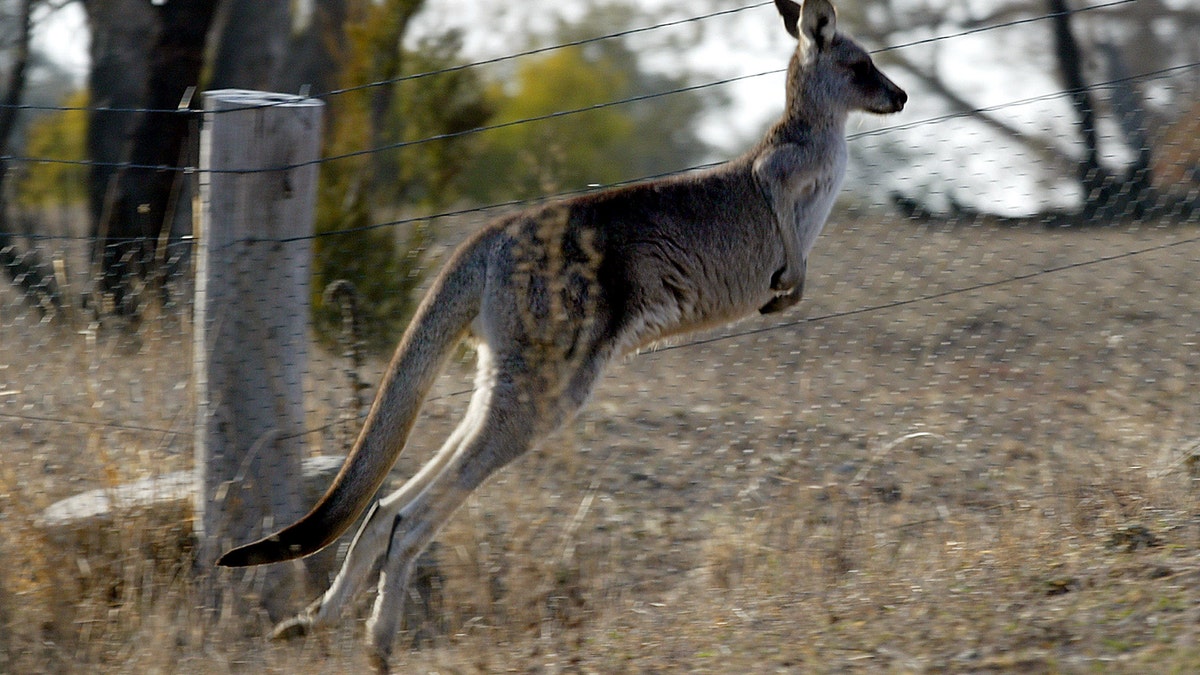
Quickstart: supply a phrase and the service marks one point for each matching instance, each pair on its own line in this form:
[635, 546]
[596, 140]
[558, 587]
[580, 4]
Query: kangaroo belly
[669, 291]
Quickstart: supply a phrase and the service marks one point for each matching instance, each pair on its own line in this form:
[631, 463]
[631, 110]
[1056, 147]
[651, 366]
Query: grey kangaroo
[553, 293]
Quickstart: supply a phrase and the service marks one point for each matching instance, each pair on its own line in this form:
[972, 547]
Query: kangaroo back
[439, 324]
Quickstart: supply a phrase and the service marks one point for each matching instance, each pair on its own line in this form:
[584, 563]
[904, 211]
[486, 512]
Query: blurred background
[988, 392]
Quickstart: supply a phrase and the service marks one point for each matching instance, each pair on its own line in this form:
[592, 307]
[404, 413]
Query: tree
[24, 269]
[600, 145]
[1052, 37]
[1107, 194]
[146, 56]
[252, 43]
[389, 106]
[130, 200]
[59, 137]
[546, 155]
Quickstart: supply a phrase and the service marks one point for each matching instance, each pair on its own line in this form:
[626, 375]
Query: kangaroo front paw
[786, 279]
[789, 279]
[782, 302]
[787, 291]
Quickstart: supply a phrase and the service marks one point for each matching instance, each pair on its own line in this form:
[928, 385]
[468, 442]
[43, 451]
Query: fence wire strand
[562, 45]
[668, 347]
[952, 407]
[881, 131]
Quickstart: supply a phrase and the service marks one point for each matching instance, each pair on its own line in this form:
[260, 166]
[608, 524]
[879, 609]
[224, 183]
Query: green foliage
[60, 136]
[597, 146]
[533, 158]
[440, 107]
[415, 175]
[366, 257]
[358, 193]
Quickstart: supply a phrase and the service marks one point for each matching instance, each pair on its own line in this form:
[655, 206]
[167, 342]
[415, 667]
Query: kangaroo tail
[439, 323]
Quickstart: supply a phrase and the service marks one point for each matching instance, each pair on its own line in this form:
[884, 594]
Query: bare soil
[899, 475]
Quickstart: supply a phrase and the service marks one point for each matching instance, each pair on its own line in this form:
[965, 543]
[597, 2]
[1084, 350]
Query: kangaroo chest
[809, 191]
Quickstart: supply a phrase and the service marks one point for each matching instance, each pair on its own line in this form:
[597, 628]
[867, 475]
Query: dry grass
[993, 481]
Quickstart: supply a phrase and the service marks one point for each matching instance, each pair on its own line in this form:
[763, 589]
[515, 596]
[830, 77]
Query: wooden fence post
[254, 254]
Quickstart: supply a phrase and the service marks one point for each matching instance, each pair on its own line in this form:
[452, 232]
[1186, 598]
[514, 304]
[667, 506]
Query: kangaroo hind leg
[370, 542]
[515, 416]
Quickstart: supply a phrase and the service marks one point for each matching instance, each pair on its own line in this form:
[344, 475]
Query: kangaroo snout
[899, 98]
[892, 101]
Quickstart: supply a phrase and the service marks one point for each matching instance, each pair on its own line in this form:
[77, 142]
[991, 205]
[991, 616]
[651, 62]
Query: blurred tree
[21, 27]
[1177, 161]
[130, 201]
[1133, 38]
[389, 105]
[122, 31]
[24, 269]
[525, 160]
[146, 56]
[57, 136]
[598, 146]
[251, 48]
[1106, 194]
[316, 39]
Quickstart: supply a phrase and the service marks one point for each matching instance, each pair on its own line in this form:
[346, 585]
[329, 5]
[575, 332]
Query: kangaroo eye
[861, 68]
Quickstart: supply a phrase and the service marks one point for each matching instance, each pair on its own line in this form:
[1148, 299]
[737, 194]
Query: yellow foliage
[59, 135]
[552, 153]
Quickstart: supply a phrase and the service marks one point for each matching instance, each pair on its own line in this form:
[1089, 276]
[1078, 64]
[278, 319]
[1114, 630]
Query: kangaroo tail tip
[302, 538]
[261, 552]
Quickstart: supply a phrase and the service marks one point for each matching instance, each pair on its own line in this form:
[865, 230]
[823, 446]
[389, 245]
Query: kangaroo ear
[819, 22]
[790, 12]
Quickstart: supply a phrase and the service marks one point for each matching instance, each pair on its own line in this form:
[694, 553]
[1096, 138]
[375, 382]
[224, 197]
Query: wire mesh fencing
[972, 446]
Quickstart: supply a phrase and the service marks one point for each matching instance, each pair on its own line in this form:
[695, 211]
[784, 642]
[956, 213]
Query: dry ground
[997, 480]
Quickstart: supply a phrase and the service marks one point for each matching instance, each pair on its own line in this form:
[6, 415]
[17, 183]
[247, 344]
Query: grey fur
[553, 293]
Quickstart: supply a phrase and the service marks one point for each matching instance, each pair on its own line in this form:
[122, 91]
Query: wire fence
[884, 131]
[186, 111]
[1142, 78]
[951, 363]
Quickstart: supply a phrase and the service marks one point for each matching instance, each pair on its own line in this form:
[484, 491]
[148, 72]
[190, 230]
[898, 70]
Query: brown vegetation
[1000, 480]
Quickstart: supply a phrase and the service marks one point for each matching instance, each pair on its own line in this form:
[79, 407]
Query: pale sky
[65, 37]
[936, 157]
[751, 42]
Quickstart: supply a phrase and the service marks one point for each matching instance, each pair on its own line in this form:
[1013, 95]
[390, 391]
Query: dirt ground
[943, 461]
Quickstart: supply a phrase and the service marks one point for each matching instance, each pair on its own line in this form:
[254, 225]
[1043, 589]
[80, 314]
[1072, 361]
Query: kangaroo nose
[901, 99]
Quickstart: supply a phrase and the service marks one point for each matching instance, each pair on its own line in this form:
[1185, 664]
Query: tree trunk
[25, 270]
[129, 205]
[1138, 196]
[122, 34]
[251, 44]
[315, 52]
[1094, 180]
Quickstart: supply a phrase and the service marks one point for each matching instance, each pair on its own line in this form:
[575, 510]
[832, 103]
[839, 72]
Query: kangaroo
[551, 294]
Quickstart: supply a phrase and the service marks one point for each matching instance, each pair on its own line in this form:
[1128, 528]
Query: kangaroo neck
[801, 125]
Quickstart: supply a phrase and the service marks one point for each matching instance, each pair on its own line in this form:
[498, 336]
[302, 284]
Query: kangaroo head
[831, 75]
